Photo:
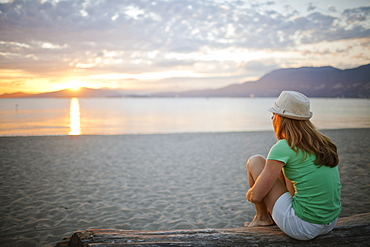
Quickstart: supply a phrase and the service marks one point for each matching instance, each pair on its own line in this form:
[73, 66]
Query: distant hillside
[13, 95]
[81, 93]
[312, 81]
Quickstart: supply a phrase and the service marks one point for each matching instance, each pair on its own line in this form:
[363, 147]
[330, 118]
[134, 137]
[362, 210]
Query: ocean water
[114, 116]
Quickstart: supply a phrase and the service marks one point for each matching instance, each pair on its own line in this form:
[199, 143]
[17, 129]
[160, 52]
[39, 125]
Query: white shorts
[286, 219]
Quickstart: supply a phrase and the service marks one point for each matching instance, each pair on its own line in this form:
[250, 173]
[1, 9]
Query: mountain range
[312, 81]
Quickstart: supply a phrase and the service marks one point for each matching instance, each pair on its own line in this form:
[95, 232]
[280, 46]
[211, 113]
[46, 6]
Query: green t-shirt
[317, 188]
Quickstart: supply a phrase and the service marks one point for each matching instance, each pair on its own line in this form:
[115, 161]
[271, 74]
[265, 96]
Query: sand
[53, 186]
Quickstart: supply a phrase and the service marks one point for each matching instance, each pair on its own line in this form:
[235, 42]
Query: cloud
[331, 8]
[267, 65]
[180, 26]
[358, 15]
[311, 7]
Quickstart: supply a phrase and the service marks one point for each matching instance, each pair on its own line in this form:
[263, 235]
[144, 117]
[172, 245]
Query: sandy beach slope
[51, 187]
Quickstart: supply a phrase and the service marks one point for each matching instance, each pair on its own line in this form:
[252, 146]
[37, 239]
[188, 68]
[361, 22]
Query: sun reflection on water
[74, 117]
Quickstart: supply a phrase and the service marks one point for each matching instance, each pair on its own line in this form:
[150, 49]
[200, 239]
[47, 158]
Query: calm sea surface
[112, 116]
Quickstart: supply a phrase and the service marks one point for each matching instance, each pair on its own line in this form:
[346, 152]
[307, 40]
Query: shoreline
[177, 133]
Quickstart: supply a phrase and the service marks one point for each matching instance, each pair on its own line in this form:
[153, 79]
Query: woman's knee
[256, 161]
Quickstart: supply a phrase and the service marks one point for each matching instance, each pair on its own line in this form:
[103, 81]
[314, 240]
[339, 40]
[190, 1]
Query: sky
[146, 46]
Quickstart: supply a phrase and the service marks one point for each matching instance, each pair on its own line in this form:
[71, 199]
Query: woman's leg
[255, 165]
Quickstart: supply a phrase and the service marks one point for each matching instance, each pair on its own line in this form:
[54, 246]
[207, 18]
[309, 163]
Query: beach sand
[53, 186]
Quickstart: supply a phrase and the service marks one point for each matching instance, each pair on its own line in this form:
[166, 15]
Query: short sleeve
[280, 152]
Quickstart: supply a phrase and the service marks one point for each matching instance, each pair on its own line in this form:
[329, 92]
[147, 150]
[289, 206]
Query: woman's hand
[265, 181]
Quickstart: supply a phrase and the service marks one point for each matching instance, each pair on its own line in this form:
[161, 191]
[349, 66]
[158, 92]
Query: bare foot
[260, 221]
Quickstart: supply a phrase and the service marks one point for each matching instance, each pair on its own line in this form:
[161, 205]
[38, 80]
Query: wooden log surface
[349, 231]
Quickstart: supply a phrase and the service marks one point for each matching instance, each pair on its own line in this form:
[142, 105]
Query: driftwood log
[349, 231]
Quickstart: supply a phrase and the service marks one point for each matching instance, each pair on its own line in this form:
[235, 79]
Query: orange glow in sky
[73, 85]
[75, 88]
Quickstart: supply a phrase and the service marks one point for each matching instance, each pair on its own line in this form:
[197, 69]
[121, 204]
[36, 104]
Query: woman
[298, 185]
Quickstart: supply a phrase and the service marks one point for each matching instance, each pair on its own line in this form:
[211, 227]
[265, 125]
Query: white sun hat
[291, 104]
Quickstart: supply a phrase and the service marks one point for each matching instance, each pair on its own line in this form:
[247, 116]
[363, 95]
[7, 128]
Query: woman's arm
[265, 181]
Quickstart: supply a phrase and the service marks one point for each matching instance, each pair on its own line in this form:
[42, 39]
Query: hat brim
[290, 115]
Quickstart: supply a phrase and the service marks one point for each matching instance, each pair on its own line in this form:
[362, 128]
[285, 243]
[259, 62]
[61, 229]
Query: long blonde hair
[302, 135]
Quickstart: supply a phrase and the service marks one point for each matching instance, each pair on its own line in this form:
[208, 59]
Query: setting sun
[76, 85]
[73, 85]
[74, 88]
